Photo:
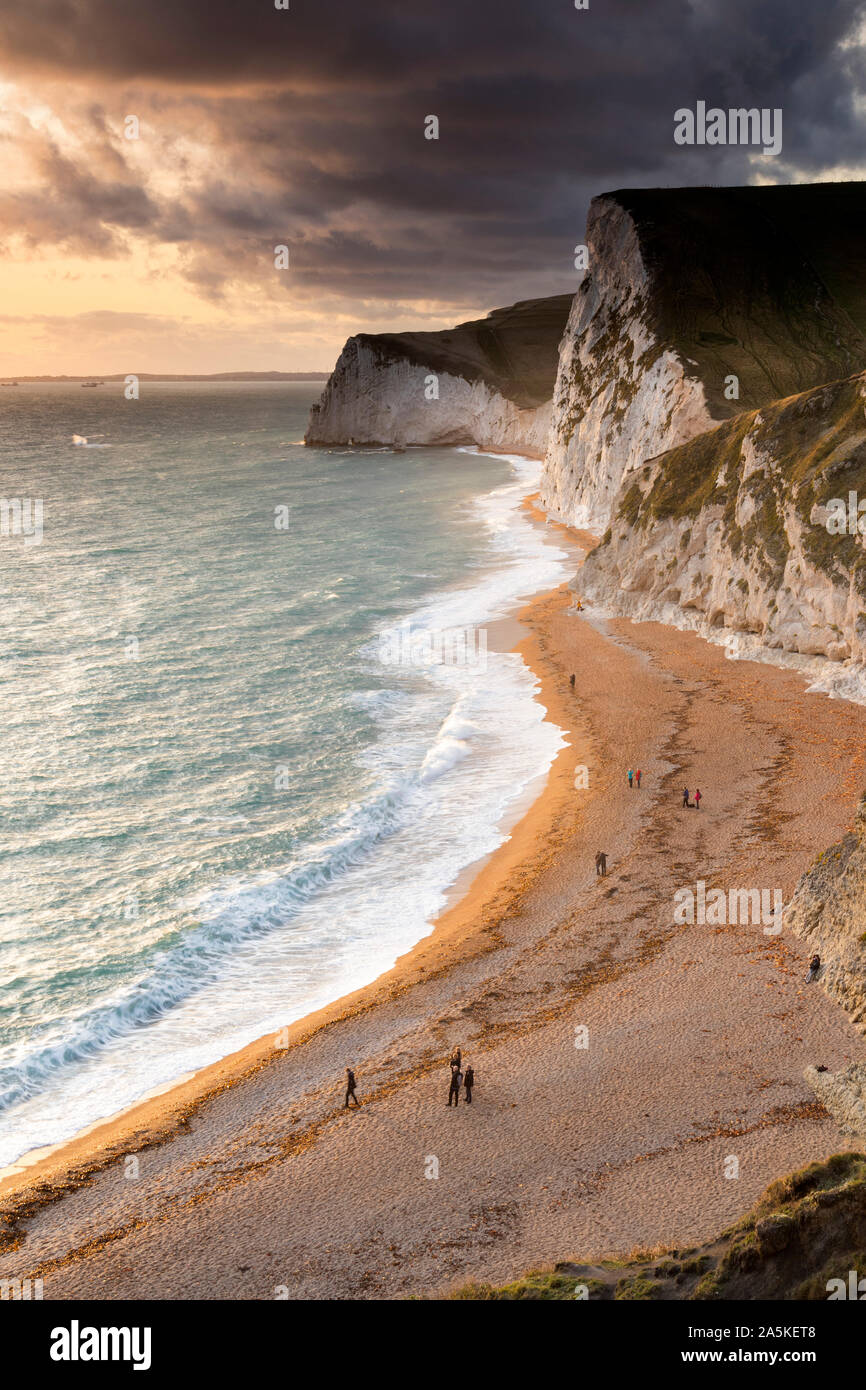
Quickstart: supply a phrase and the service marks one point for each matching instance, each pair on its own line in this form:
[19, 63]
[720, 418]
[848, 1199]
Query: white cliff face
[374, 398]
[843, 1093]
[747, 569]
[732, 546]
[621, 396]
[687, 569]
[827, 912]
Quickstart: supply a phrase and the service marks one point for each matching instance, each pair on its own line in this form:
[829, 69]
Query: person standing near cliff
[814, 967]
[637, 777]
[686, 801]
[571, 681]
[630, 777]
[600, 864]
[350, 1088]
[468, 1083]
[698, 798]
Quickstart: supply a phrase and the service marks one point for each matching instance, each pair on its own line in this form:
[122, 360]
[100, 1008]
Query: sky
[256, 127]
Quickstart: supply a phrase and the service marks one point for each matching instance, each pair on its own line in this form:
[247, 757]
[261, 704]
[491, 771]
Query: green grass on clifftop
[514, 350]
[802, 452]
[806, 1228]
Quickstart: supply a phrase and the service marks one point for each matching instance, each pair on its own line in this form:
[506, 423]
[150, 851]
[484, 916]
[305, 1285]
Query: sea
[255, 724]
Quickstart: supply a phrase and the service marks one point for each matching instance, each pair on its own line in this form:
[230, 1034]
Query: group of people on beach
[459, 1077]
[634, 778]
[634, 781]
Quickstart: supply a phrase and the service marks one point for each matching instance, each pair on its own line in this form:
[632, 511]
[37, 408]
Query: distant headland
[103, 377]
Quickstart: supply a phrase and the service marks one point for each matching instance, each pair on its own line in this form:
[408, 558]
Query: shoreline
[156, 1115]
[700, 1036]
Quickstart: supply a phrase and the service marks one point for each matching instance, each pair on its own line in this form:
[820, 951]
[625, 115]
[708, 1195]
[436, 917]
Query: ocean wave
[455, 747]
[232, 915]
[451, 745]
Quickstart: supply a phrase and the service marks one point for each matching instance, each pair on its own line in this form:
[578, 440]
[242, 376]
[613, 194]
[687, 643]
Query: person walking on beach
[350, 1087]
[698, 799]
[600, 864]
[456, 1083]
[686, 801]
[630, 777]
[468, 1083]
[814, 967]
[637, 777]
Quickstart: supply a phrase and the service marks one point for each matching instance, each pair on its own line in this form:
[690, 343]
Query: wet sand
[251, 1178]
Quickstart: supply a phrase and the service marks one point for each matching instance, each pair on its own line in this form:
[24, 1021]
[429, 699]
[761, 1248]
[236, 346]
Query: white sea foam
[458, 746]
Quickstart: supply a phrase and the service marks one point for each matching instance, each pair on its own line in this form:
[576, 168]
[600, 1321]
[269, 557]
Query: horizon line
[6, 378]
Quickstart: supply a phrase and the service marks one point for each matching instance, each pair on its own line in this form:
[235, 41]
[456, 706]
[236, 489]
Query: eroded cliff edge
[687, 288]
[494, 384]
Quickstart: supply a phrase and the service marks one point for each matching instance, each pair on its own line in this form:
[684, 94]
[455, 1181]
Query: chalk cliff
[494, 381]
[828, 910]
[728, 534]
[843, 1094]
[708, 403]
[687, 289]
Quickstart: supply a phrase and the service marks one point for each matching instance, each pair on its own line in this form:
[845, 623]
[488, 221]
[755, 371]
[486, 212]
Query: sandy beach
[251, 1181]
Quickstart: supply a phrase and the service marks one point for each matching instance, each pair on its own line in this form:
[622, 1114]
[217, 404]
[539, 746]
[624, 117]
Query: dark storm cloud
[315, 118]
[372, 44]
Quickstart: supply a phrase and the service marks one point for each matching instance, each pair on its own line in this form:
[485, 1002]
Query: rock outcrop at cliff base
[728, 534]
